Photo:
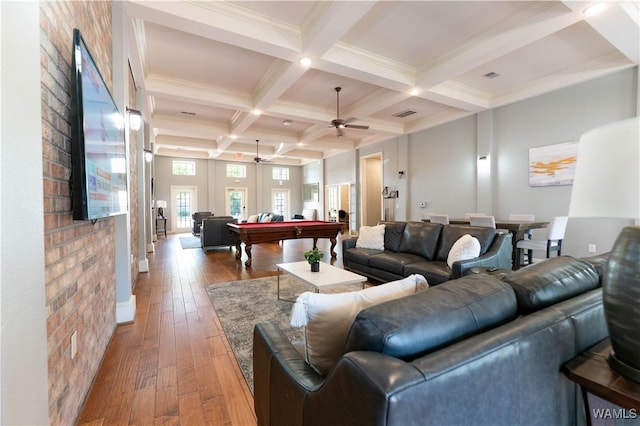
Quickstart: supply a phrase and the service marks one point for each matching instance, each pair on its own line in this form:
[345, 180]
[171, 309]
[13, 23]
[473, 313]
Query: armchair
[197, 221]
[214, 232]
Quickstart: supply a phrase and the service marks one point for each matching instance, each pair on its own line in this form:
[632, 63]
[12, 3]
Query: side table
[592, 372]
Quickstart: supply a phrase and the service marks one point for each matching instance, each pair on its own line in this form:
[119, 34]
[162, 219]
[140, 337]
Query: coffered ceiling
[217, 76]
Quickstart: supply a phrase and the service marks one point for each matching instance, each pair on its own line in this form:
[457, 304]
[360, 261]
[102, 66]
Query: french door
[280, 202]
[235, 202]
[183, 203]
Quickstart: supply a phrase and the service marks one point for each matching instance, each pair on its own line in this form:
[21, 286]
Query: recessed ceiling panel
[192, 110]
[568, 48]
[318, 88]
[418, 33]
[185, 56]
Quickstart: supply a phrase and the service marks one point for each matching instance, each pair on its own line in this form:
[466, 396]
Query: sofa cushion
[451, 233]
[371, 237]
[551, 281]
[410, 327]
[361, 255]
[393, 262]
[435, 271]
[392, 235]
[421, 238]
[327, 317]
[467, 247]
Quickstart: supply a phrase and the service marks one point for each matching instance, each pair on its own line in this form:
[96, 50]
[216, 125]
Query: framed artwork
[553, 164]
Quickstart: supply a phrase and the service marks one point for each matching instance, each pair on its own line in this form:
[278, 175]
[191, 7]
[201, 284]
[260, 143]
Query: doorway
[183, 202]
[371, 178]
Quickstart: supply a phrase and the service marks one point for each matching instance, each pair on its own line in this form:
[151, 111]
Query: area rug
[242, 304]
[189, 242]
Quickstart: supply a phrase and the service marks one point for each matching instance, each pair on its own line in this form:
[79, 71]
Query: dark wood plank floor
[173, 364]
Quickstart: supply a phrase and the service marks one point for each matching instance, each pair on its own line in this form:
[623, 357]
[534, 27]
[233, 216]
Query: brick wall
[79, 256]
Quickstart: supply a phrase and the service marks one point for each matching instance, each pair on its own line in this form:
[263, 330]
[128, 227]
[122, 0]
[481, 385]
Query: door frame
[371, 190]
[174, 207]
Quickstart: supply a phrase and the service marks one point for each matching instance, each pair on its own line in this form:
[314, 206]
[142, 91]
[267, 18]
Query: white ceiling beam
[619, 24]
[176, 141]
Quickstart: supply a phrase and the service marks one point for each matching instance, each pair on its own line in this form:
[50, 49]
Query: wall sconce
[135, 119]
[148, 155]
[401, 174]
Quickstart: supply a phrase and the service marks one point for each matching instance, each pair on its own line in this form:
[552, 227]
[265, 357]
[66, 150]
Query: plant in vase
[314, 256]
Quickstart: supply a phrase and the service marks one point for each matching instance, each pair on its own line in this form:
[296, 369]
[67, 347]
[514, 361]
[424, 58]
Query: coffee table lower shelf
[328, 276]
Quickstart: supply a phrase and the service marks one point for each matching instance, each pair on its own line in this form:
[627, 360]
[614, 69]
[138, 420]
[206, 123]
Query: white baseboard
[126, 311]
[151, 248]
[143, 265]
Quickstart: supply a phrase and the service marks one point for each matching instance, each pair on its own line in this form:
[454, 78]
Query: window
[236, 202]
[184, 168]
[280, 201]
[280, 173]
[236, 171]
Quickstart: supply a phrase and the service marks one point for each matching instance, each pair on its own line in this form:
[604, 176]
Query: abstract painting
[553, 164]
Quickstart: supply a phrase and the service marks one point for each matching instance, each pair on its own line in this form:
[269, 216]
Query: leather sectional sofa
[472, 351]
[422, 248]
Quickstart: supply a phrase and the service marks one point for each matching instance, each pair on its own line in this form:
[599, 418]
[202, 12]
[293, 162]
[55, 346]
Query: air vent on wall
[403, 114]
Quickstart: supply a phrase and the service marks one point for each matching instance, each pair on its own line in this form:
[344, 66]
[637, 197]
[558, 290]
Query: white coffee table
[328, 276]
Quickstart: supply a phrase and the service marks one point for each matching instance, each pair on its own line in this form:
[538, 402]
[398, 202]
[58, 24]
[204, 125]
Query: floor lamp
[607, 185]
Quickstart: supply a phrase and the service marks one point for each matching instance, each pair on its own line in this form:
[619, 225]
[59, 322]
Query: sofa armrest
[498, 256]
[349, 243]
[281, 377]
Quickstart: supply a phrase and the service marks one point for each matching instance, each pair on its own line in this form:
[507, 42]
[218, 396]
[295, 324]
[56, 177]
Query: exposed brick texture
[79, 256]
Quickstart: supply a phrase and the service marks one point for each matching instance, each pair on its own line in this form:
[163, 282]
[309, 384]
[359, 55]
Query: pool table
[253, 233]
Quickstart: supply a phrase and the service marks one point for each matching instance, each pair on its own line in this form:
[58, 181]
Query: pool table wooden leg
[238, 249]
[333, 245]
[247, 249]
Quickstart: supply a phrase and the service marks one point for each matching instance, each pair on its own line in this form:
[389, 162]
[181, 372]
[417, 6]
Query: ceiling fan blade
[356, 126]
[349, 120]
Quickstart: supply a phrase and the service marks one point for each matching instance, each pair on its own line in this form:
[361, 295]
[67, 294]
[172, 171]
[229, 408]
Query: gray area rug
[242, 304]
[189, 242]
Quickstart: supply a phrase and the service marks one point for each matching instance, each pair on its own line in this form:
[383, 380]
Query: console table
[161, 226]
[592, 372]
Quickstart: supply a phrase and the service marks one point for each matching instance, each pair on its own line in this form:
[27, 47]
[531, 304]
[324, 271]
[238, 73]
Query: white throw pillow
[253, 218]
[467, 247]
[371, 237]
[266, 219]
[328, 317]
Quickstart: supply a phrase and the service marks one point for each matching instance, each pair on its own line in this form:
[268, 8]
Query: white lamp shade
[161, 204]
[607, 179]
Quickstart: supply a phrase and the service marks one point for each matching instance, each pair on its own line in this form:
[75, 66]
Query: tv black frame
[82, 205]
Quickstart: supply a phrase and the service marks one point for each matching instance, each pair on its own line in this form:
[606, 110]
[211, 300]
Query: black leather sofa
[472, 351]
[214, 232]
[422, 248]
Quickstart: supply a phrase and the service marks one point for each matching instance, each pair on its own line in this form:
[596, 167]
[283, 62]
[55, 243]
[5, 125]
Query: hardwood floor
[173, 364]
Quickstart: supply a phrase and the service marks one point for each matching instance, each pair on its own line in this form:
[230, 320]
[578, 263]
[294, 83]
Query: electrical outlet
[592, 248]
[74, 344]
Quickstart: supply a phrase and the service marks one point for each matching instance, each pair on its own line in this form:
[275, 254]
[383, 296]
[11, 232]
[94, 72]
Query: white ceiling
[203, 67]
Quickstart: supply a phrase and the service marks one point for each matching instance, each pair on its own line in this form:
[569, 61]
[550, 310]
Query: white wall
[560, 116]
[211, 182]
[23, 340]
[442, 169]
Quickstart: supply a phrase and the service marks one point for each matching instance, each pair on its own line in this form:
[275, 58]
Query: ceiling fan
[341, 124]
[257, 158]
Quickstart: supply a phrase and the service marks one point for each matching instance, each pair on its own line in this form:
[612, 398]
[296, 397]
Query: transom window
[280, 173]
[236, 171]
[184, 168]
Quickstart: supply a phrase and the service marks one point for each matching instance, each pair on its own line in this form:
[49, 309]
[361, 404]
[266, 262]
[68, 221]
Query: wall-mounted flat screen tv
[98, 150]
